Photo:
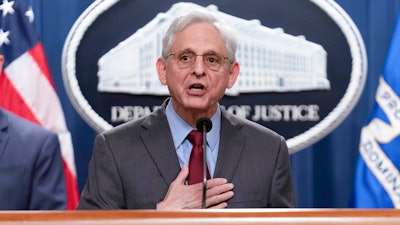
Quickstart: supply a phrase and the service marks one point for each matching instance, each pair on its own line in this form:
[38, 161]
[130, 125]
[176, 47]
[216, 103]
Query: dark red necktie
[196, 158]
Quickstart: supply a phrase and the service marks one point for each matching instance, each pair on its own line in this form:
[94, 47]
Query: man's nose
[198, 65]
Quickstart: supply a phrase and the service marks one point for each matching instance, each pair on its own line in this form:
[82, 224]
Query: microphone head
[204, 122]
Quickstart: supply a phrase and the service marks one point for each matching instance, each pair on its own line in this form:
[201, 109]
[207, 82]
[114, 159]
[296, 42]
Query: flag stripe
[12, 100]
[33, 88]
[37, 54]
[67, 150]
[71, 185]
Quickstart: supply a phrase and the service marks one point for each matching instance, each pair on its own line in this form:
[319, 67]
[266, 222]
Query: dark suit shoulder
[138, 125]
[122, 128]
[20, 127]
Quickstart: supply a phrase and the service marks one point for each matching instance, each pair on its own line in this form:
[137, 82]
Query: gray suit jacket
[31, 166]
[133, 165]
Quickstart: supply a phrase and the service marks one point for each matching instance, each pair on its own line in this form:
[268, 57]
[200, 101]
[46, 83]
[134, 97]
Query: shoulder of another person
[27, 127]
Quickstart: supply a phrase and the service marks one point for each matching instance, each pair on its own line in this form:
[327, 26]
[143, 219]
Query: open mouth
[196, 87]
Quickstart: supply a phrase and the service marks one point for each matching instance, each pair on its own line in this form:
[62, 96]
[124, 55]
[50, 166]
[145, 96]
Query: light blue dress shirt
[180, 129]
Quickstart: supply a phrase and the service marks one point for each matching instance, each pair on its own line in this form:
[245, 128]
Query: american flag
[26, 85]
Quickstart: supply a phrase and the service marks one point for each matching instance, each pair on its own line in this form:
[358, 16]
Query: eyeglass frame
[211, 53]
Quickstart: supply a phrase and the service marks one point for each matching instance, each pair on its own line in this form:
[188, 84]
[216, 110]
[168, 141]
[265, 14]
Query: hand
[181, 196]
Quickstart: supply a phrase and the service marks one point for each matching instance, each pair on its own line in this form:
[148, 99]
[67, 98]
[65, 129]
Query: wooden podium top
[202, 217]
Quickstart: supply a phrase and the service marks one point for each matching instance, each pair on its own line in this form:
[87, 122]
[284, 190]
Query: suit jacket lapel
[232, 143]
[3, 132]
[158, 140]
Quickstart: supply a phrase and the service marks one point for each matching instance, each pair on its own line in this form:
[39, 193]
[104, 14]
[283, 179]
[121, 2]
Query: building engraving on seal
[271, 60]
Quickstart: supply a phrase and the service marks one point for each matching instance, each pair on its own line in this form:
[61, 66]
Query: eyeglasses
[212, 60]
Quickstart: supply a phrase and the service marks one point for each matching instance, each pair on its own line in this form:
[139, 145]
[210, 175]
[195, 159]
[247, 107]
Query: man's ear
[233, 74]
[161, 70]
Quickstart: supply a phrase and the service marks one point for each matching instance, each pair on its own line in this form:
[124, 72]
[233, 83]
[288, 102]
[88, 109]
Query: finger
[216, 182]
[219, 189]
[221, 205]
[218, 199]
[183, 174]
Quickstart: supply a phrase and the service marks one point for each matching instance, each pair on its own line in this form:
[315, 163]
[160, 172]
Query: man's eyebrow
[210, 52]
[187, 50]
[205, 52]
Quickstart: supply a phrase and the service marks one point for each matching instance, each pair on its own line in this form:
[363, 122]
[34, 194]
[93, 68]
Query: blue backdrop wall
[324, 172]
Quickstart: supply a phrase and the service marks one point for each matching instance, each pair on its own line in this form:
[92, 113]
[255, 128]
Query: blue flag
[377, 178]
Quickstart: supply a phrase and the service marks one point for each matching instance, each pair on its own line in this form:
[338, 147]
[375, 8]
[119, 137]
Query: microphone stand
[203, 202]
[204, 125]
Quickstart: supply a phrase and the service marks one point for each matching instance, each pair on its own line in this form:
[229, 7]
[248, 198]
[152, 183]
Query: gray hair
[179, 23]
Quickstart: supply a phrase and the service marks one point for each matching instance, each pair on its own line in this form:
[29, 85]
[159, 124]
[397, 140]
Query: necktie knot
[195, 137]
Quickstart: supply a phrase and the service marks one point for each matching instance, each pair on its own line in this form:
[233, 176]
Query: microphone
[204, 125]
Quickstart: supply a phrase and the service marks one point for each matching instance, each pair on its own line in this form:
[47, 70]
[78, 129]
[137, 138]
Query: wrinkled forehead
[199, 38]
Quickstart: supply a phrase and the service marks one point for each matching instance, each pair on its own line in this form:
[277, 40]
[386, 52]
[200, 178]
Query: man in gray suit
[142, 164]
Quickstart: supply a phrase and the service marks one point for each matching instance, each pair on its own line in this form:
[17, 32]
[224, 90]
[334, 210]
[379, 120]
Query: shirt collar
[180, 129]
